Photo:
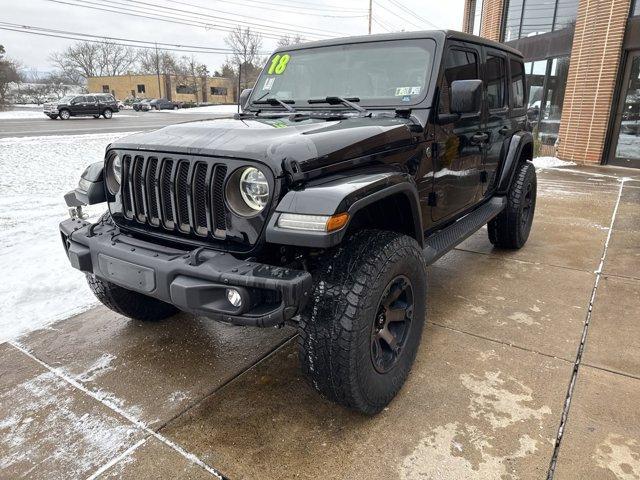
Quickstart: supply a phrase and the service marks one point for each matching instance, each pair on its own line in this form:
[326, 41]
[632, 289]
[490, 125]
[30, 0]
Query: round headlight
[114, 174]
[254, 188]
[247, 191]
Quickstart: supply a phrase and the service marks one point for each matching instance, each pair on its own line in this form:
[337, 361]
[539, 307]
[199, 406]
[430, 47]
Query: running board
[446, 239]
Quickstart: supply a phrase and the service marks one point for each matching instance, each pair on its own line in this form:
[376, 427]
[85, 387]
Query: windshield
[377, 73]
[67, 98]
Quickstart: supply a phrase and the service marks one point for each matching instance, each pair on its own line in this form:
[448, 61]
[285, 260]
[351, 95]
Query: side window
[91, 99]
[496, 80]
[141, 88]
[79, 100]
[459, 65]
[105, 88]
[517, 84]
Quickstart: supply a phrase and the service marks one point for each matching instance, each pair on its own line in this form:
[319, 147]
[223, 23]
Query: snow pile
[218, 109]
[20, 114]
[38, 285]
[550, 162]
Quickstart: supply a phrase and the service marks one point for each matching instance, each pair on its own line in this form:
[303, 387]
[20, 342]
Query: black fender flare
[338, 194]
[520, 142]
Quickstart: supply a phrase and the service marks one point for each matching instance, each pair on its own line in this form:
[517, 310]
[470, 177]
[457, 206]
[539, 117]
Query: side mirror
[466, 96]
[244, 96]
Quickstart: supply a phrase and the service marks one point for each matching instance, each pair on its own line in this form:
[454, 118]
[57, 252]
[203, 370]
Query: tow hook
[76, 213]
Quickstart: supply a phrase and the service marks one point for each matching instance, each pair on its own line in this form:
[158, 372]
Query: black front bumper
[195, 281]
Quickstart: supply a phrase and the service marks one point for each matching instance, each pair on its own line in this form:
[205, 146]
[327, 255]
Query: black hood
[313, 143]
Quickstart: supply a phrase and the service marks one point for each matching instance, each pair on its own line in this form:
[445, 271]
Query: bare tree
[245, 46]
[287, 41]
[90, 59]
[9, 73]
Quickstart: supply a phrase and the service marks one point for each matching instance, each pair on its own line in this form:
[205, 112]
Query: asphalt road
[125, 121]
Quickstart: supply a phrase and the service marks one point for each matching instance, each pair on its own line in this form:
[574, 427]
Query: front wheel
[360, 332]
[511, 228]
[107, 113]
[129, 303]
[65, 114]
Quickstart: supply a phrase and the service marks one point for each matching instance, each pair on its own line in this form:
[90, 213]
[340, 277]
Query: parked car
[142, 105]
[92, 104]
[321, 204]
[164, 104]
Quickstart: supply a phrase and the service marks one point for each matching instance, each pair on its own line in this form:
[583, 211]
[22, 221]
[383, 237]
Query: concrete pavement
[508, 334]
[125, 121]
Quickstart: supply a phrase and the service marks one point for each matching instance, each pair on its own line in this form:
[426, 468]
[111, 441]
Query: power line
[182, 21]
[163, 7]
[32, 28]
[397, 15]
[304, 6]
[412, 13]
[72, 36]
[311, 11]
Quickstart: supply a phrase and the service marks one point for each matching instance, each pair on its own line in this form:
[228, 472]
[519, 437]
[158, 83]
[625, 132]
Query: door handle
[479, 138]
[504, 130]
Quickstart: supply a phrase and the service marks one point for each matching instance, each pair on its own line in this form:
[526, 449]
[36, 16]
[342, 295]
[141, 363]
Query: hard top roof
[438, 35]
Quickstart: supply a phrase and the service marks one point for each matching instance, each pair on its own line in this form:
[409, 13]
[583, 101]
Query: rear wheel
[65, 114]
[107, 113]
[511, 228]
[360, 333]
[129, 303]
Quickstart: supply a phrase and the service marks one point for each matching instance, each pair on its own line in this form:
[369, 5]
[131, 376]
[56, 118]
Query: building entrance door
[625, 151]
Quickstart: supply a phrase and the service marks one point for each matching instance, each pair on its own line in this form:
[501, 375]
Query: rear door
[498, 124]
[92, 106]
[459, 159]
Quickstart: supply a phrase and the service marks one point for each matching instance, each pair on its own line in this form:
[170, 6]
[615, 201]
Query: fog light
[234, 297]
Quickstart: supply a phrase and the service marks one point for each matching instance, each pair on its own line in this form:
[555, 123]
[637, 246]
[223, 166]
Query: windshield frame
[418, 102]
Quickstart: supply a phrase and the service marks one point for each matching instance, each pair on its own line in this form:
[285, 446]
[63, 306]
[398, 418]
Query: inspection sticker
[402, 91]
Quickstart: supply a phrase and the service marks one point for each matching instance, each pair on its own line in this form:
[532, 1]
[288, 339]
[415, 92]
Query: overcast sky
[309, 17]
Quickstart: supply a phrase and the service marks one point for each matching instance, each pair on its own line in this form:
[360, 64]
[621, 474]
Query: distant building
[181, 88]
[583, 69]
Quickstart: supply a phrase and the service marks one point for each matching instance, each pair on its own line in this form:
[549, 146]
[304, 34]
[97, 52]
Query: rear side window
[91, 99]
[517, 84]
[459, 65]
[496, 79]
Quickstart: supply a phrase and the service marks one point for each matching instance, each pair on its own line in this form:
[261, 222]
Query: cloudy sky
[205, 22]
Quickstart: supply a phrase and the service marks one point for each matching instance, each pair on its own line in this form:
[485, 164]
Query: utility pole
[370, 8]
[158, 71]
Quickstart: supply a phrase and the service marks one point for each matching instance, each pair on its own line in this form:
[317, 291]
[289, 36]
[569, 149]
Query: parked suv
[354, 164]
[92, 104]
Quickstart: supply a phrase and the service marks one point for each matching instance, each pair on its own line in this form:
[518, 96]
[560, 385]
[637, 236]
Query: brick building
[583, 67]
[183, 88]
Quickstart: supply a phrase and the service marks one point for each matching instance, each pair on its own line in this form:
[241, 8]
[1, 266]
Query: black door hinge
[432, 199]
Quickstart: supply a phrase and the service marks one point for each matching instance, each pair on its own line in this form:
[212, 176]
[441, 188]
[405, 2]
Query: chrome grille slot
[199, 198]
[139, 201]
[166, 192]
[219, 214]
[127, 189]
[151, 182]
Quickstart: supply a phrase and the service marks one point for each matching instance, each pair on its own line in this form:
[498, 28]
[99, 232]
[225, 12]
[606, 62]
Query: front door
[459, 154]
[625, 149]
[497, 108]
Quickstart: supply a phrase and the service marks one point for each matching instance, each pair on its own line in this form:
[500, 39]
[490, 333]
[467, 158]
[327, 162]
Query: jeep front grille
[183, 195]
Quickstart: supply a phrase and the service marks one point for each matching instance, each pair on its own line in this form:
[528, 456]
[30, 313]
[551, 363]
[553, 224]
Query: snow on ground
[550, 162]
[20, 114]
[220, 109]
[39, 286]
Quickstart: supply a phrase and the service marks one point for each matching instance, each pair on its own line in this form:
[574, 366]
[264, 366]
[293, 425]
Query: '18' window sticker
[279, 64]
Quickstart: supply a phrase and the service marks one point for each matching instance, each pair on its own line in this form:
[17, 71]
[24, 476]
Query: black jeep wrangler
[354, 164]
[92, 104]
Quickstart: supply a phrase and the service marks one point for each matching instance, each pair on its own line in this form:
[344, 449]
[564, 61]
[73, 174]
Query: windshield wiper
[348, 102]
[276, 101]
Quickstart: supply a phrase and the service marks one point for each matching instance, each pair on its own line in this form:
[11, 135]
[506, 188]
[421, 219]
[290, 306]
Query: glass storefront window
[546, 80]
[628, 145]
[526, 18]
[635, 11]
[477, 17]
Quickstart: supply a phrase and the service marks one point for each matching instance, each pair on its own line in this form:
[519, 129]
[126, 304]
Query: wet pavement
[519, 347]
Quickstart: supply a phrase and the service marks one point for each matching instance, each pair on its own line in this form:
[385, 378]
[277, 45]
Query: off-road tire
[336, 327]
[65, 114]
[511, 228]
[107, 113]
[129, 303]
